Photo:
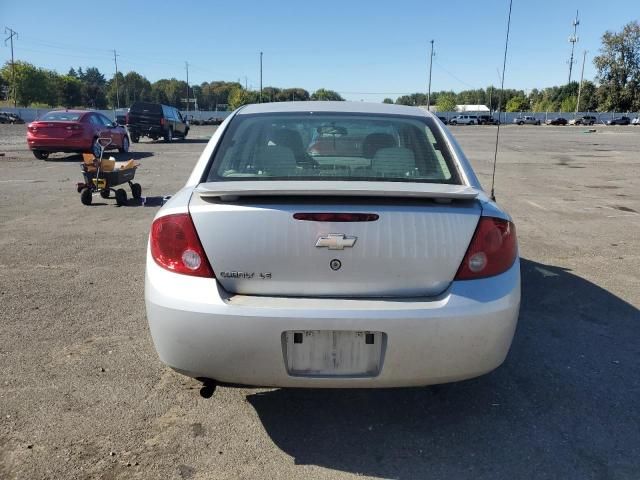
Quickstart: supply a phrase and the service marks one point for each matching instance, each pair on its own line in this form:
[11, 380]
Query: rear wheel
[104, 193]
[169, 136]
[136, 190]
[86, 196]
[125, 145]
[40, 155]
[520, 123]
[135, 138]
[121, 197]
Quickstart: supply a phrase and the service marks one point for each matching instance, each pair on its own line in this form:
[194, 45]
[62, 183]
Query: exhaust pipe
[208, 387]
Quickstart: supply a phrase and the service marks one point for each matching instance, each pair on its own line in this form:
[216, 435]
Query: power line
[13, 63]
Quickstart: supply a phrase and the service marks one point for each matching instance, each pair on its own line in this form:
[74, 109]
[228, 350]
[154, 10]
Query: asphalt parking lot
[83, 395]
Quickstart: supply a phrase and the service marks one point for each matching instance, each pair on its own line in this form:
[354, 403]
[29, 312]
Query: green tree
[94, 88]
[413, 100]
[293, 94]
[517, 104]
[325, 95]
[588, 97]
[446, 103]
[387, 100]
[31, 84]
[569, 104]
[618, 68]
[240, 96]
[69, 91]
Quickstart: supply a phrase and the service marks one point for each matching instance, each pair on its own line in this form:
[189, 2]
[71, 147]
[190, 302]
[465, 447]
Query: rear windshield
[333, 146]
[142, 107]
[61, 116]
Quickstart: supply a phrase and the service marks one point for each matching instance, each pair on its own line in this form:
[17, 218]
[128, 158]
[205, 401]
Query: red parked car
[74, 131]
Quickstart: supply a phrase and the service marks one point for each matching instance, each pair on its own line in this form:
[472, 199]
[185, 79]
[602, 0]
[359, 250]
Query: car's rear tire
[104, 193]
[40, 154]
[86, 196]
[135, 138]
[520, 123]
[186, 132]
[125, 145]
[168, 138]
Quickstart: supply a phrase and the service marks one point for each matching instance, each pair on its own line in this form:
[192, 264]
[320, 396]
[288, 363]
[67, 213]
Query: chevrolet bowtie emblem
[336, 241]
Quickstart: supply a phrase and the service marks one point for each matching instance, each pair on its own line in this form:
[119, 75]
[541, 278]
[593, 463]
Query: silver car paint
[411, 250]
[202, 330]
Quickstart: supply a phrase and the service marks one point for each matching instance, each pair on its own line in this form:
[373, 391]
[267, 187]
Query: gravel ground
[83, 395]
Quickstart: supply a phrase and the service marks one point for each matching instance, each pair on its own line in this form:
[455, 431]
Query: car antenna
[504, 64]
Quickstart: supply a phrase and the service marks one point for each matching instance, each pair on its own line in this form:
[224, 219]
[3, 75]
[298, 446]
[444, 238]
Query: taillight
[162, 122]
[175, 246]
[492, 250]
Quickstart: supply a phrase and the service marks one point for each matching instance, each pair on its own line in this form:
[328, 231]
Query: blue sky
[363, 49]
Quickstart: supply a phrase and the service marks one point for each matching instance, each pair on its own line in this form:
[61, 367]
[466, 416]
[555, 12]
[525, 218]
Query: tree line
[616, 88]
[88, 88]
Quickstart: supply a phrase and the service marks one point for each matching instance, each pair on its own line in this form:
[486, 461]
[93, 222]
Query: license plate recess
[333, 353]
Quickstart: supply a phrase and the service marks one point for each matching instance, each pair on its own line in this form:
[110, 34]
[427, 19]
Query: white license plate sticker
[333, 353]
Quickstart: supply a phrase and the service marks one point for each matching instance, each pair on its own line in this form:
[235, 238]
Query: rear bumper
[60, 144]
[146, 130]
[201, 331]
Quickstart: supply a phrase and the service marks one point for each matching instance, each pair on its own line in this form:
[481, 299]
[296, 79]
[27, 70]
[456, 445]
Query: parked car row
[9, 117]
[208, 121]
[531, 120]
[470, 120]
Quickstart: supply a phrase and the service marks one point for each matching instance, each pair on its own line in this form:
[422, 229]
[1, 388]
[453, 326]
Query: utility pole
[12, 34]
[186, 64]
[573, 39]
[430, 66]
[260, 77]
[584, 57]
[115, 60]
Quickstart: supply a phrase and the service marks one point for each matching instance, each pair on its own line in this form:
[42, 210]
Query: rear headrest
[393, 162]
[375, 141]
[276, 160]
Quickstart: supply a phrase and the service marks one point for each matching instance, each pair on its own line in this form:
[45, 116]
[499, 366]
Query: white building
[473, 108]
[461, 108]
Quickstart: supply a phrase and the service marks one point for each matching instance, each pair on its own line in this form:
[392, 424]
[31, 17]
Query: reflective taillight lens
[175, 246]
[492, 250]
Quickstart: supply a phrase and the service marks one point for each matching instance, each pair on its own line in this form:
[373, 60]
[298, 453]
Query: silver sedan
[332, 244]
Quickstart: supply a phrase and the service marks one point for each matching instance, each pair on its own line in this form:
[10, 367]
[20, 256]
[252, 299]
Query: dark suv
[487, 120]
[154, 121]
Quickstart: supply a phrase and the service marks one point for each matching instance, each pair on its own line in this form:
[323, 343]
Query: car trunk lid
[54, 129]
[410, 244]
